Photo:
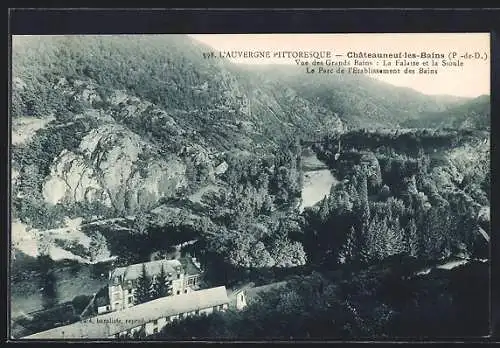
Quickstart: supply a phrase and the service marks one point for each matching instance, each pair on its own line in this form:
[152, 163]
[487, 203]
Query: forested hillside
[474, 113]
[416, 192]
[357, 100]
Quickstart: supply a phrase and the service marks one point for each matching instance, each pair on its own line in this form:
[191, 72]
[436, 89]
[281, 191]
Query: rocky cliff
[116, 167]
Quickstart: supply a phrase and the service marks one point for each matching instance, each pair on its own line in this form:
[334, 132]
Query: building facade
[150, 317]
[237, 298]
[182, 277]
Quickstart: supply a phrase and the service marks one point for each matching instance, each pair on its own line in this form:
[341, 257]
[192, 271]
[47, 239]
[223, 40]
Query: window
[178, 292]
[130, 299]
[185, 291]
[178, 275]
[129, 291]
[241, 297]
[197, 312]
[155, 322]
[155, 330]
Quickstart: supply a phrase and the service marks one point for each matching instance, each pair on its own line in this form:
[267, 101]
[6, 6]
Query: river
[318, 180]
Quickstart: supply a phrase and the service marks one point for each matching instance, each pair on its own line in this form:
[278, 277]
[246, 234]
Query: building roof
[191, 267]
[132, 272]
[106, 325]
[231, 293]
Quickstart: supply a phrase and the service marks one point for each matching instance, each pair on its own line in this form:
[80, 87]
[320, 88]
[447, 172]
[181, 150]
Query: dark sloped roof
[106, 325]
[132, 272]
[189, 266]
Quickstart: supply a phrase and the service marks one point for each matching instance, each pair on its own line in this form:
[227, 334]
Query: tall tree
[324, 210]
[144, 284]
[363, 196]
[393, 238]
[412, 246]
[363, 217]
[287, 253]
[383, 238]
[348, 252]
[160, 286]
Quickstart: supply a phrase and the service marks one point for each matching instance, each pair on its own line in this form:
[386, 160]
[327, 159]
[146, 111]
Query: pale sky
[471, 80]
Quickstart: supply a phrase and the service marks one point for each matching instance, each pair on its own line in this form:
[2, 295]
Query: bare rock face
[115, 167]
[221, 168]
[72, 178]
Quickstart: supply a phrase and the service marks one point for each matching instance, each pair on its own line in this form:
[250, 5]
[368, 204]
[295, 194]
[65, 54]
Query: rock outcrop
[115, 167]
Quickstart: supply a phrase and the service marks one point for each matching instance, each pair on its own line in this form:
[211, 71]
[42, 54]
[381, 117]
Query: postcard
[250, 186]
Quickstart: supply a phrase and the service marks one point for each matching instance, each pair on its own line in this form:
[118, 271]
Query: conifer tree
[371, 247]
[348, 252]
[412, 245]
[324, 210]
[160, 287]
[365, 236]
[143, 291]
[393, 239]
[363, 197]
[383, 238]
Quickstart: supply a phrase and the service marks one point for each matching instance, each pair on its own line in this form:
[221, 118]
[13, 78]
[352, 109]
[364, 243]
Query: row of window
[130, 299]
[169, 319]
[130, 282]
[192, 281]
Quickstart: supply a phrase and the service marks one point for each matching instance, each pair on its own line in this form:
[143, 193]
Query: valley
[369, 200]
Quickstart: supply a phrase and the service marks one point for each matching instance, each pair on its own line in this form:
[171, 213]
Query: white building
[237, 297]
[182, 277]
[151, 316]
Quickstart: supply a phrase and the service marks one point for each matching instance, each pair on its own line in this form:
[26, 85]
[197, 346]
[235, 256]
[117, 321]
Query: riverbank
[318, 181]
